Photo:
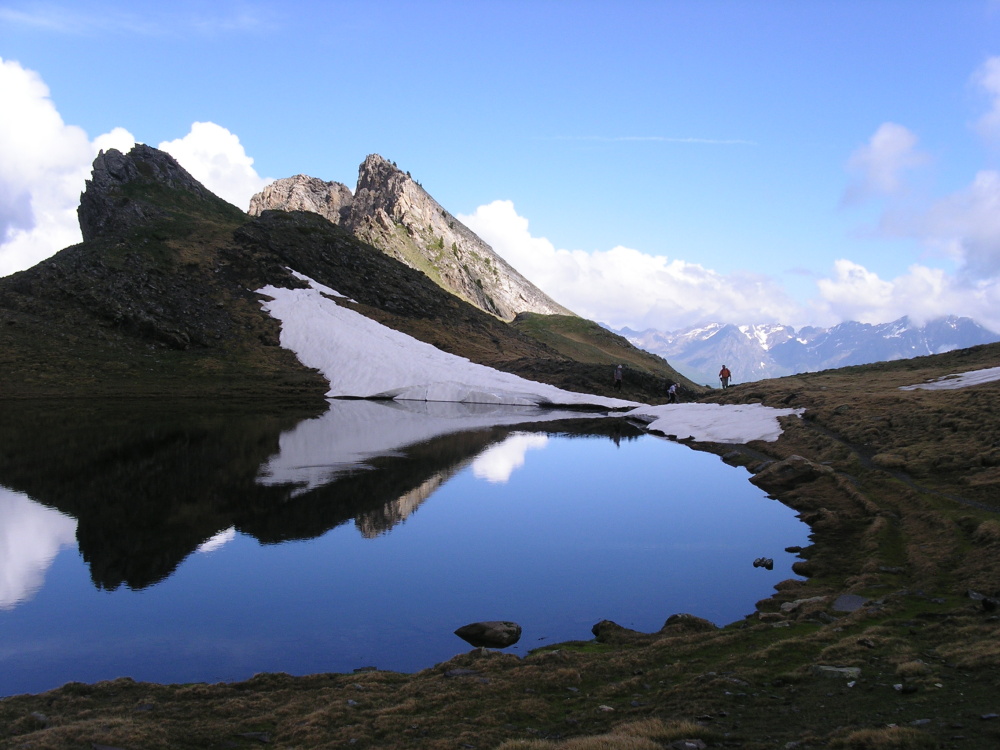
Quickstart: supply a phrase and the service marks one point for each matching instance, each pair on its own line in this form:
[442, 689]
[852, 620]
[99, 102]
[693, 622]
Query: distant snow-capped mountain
[756, 352]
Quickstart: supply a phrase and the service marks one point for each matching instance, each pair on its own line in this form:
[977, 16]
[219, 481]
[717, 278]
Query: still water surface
[175, 545]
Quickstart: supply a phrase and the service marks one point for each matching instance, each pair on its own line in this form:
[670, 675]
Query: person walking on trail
[724, 376]
[618, 378]
[672, 393]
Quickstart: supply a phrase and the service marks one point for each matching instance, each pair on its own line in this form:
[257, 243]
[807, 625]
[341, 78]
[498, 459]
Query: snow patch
[957, 380]
[714, 423]
[364, 359]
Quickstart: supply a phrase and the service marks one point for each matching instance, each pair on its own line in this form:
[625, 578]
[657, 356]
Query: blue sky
[648, 164]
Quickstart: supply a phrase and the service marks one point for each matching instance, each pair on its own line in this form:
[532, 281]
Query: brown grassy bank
[901, 490]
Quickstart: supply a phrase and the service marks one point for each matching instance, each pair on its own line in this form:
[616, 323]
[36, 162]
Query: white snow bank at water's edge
[714, 423]
[362, 358]
[958, 380]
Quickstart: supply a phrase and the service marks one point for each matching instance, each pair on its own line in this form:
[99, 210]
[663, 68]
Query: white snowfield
[364, 359]
[714, 423]
[957, 380]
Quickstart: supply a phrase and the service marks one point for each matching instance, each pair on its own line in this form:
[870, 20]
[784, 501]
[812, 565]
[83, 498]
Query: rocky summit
[331, 200]
[391, 211]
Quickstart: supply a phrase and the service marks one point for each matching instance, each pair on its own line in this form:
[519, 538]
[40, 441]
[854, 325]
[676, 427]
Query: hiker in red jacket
[724, 376]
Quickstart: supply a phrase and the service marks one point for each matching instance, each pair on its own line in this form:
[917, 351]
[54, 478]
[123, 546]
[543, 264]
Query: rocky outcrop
[331, 200]
[392, 212]
[492, 634]
[107, 209]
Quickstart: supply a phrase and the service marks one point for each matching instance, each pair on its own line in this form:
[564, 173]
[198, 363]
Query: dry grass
[889, 738]
[651, 734]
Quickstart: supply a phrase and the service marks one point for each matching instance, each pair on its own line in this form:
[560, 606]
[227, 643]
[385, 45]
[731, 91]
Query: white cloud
[626, 287]
[966, 226]
[158, 22]
[878, 166]
[45, 163]
[923, 293]
[216, 158]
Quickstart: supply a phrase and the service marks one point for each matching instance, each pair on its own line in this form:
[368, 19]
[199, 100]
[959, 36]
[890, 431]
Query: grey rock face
[390, 211]
[105, 208]
[332, 200]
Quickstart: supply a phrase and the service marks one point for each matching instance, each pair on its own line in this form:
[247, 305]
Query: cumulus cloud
[626, 287]
[45, 163]
[216, 158]
[856, 293]
[877, 168]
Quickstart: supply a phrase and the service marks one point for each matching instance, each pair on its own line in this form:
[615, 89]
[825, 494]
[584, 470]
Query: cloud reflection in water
[498, 462]
[31, 536]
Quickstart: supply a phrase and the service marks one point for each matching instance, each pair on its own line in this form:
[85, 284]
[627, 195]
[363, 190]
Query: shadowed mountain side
[148, 481]
[591, 352]
[385, 289]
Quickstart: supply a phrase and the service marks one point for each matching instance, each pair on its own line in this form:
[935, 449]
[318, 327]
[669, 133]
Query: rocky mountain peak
[331, 200]
[392, 212]
[108, 205]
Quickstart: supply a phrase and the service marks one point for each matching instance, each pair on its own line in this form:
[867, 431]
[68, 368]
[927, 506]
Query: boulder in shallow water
[493, 634]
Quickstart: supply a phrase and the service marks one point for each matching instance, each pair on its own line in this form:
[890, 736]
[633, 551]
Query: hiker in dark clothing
[618, 378]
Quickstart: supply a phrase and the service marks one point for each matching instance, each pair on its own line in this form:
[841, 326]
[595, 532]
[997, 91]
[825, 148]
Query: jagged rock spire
[106, 209]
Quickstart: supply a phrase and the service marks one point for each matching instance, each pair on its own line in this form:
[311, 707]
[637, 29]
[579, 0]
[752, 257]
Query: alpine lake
[192, 541]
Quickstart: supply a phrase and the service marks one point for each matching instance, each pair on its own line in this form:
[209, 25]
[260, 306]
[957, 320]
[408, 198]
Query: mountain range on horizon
[759, 352]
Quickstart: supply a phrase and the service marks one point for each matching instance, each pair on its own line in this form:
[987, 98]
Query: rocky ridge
[389, 210]
[331, 200]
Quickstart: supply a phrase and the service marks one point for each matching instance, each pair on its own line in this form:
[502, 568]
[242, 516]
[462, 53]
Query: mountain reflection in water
[148, 484]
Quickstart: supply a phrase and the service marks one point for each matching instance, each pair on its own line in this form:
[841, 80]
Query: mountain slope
[159, 298]
[585, 341]
[391, 211]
